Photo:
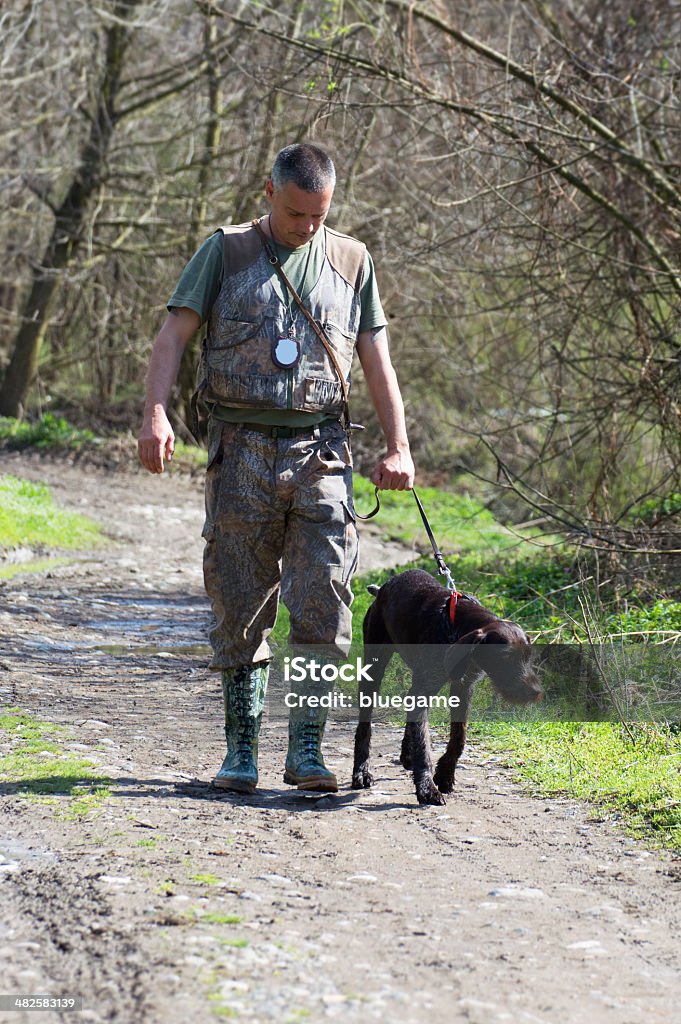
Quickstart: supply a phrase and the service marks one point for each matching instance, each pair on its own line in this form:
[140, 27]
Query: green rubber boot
[305, 766]
[244, 691]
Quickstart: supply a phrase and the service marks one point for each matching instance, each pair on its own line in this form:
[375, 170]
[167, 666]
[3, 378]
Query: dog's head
[503, 652]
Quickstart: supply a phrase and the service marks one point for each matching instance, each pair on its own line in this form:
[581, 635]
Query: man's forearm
[157, 439]
[387, 400]
[383, 387]
[166, 357]
[395, 471]
[164, 366]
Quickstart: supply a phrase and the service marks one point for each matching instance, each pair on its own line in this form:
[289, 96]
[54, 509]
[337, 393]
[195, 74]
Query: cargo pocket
[335, 452]
[213, 473]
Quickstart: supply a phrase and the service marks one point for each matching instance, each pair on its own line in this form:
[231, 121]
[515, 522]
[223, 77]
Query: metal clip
[451, 585]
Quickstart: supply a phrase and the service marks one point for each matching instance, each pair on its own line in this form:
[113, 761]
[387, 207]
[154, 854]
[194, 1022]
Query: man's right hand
[156, 441]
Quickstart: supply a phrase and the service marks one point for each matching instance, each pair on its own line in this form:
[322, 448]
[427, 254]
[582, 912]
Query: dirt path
[171, 903]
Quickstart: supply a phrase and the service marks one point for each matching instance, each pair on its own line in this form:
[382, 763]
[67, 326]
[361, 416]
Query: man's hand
[395, 472]
[156, 441]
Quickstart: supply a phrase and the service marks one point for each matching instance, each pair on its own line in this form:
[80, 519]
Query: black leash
[441, 564]
[373, 511]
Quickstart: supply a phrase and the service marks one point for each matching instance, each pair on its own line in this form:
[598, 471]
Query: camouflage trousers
[279, 522]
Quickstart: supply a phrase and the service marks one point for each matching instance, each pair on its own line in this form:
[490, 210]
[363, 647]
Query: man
[279, 513]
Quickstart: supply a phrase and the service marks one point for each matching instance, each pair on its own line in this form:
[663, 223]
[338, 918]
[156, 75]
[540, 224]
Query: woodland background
[513, 165]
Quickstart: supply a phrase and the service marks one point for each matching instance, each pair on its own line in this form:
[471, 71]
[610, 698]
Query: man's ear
[269, 188]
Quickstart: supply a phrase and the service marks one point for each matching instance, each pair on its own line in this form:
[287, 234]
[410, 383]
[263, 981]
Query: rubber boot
[244, 691]
[305, 766]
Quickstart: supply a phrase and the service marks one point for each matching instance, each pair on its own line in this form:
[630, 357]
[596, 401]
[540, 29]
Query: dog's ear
[508, 633]
[476, 636]
[495, 636]
[460, 650]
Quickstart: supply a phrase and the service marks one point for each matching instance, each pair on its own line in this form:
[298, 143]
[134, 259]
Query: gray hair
[307, 166]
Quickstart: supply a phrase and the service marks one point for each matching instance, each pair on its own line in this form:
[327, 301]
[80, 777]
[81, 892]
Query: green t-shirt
[199, 286]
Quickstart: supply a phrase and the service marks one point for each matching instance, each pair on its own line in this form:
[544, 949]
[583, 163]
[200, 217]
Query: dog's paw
[444, 780]
[362, 778]
[428, 793]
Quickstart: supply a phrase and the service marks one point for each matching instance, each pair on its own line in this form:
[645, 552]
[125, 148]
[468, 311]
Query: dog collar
[453, 601]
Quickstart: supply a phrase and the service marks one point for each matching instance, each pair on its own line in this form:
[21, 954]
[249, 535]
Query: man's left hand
[395, 472]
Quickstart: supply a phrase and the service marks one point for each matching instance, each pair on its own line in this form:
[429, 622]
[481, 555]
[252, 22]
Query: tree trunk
[69, 222]
[186, 382]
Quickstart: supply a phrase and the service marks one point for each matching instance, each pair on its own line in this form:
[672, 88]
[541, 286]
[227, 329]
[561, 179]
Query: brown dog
[413, 615]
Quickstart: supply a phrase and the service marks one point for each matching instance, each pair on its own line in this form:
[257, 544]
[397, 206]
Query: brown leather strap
[276, 263]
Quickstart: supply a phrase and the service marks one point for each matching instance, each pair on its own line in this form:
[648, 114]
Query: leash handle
[441, 565]
[373, 511]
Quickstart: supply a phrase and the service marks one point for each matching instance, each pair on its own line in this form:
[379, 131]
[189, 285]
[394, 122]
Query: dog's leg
[405, 752]
[377, 656]
[446, 766]
[417, 740]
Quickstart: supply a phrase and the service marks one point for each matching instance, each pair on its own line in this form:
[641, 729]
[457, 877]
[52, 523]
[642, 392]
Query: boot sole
[235, 785]
[319, 782]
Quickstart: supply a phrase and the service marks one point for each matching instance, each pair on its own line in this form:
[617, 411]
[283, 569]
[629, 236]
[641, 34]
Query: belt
[276, 431]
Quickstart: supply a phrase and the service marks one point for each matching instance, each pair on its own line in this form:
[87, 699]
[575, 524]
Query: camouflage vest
[249, 317]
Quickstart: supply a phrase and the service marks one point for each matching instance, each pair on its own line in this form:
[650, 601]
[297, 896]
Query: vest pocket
[233, 332]
[341, 339]
[321, 395]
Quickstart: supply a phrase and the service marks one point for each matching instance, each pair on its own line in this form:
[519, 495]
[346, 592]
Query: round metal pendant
[285, 352]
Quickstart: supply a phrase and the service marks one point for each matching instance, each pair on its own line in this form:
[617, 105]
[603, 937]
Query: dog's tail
[373, 588]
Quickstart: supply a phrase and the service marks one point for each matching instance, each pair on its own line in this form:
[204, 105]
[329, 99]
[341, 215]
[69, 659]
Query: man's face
[296, 215]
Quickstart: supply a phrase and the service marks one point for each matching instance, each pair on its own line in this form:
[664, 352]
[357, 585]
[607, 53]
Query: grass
[29, 518]
[216, 918]
[8, 572]
[206, 879]
[459, 522]
[637, 781]
[188, 457]
[37, 767]
[50, 432]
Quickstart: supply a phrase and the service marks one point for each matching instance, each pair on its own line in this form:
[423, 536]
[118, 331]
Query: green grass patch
[29, 518]
[38, 768]
[214, 918]
[189, 456]
[206, 879]
[459, 522]
[219, 919]
[12, 569]
[638, 781]
[49, 432]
